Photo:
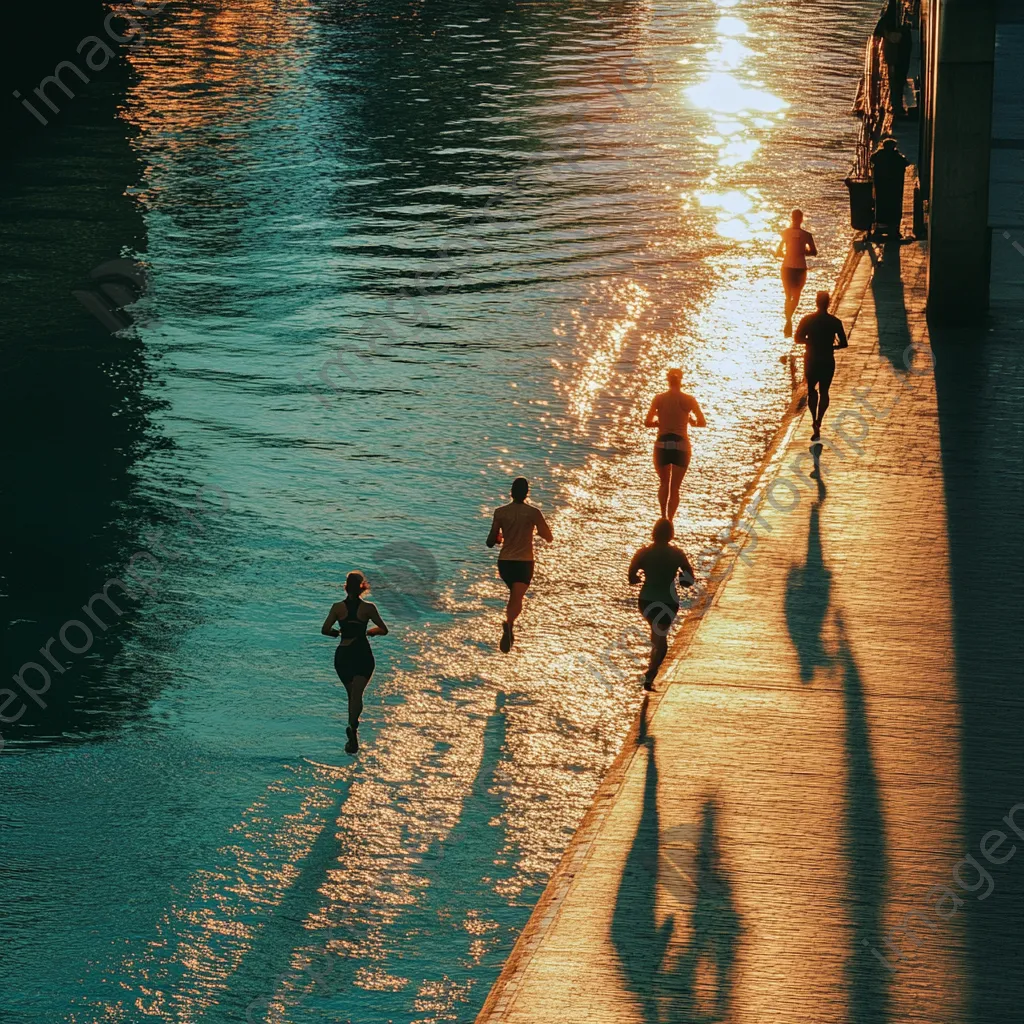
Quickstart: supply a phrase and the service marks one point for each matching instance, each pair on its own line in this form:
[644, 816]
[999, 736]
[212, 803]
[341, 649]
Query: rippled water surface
[400, 253]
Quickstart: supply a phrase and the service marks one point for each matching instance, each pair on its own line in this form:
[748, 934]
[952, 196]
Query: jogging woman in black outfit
[353, 660]
[660, 564]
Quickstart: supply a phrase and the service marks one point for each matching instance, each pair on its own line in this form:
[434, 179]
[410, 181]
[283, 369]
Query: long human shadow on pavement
[663, 981]
[808, 596]
[864, 844]
[979, 381]
[808, 603]
[641, 944]
[888, 293]
[979, 387]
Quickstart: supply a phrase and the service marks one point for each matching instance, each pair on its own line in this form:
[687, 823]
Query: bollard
[862, 203]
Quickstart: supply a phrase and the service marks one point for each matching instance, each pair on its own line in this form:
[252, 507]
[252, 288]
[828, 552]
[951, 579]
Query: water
[399, 253]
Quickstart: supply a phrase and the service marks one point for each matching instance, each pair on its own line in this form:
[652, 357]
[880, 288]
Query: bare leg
[355, 709]
[676, 475]
[515, 602]
[659, 648]
[797, 292]
[664, 476]
[822, 405]
[355, 699]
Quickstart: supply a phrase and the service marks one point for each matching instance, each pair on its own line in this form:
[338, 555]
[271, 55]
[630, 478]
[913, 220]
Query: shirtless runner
[513, 528]
[822, 333]
[795, 246]
[672, 412]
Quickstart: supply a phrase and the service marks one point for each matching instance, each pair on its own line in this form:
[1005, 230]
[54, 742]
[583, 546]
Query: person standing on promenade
[794, 248]
[353, 660]
[672, 412]
[660, 563]
[817, 331]
[513, 527]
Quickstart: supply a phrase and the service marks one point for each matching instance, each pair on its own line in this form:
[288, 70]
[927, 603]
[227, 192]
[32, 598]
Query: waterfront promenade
[784, 836]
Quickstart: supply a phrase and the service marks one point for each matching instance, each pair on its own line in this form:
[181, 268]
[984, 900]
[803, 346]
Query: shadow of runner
[887, 290]
[695, 984]
[463, 903]
[808, 594]
[460, 913]
[864, 844]
[639, 943]
[715, 930]
[284, 939]
[979, 380]
[808, 600]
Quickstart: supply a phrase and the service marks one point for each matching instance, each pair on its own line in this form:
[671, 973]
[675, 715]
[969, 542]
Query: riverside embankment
[814, 818]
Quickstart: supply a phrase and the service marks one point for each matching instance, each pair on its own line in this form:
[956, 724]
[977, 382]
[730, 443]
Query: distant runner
[659, 564]
[672, 412]
[353, 660]
[818, 331]
[513, 528]
[796, 245]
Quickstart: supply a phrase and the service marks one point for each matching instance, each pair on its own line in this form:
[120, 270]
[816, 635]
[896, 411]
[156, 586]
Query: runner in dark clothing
[659, 564]
[353, 659]
[817, 331]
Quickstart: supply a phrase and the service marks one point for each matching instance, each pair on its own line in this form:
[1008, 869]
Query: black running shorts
[513, 571]
[672, 450]
[819, 372]
[794, 277]
[660, 614]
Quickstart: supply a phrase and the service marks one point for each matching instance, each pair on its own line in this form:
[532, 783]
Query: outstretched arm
[494, 537]
[652, 414]
[332, 617]
[698, 415]
[380, 626]
[812, 249]
[841, 331]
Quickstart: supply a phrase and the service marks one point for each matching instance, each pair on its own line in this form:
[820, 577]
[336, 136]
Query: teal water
[399, 253]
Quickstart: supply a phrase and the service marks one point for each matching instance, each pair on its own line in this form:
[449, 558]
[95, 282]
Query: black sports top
[817, 331]
[351, 627]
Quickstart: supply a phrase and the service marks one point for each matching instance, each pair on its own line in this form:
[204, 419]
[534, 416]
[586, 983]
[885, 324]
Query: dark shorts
[660, 614]
[819, 372]
[354, 660]
[512, 571]
[794, 277]
[672, 450]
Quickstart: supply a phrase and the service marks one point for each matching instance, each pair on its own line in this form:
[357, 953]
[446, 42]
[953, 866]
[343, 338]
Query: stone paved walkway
[784, 838]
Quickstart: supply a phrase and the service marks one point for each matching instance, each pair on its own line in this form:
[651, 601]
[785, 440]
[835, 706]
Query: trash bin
[862, 203]
[888, 168]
